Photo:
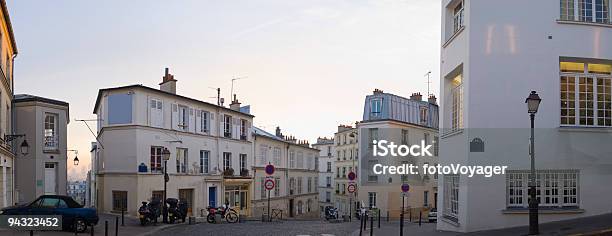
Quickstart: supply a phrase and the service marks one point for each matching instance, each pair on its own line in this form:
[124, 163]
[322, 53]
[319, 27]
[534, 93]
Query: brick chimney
[235, 105]
[377, 91]
[168, 83]
[432, 99]
[416, 97]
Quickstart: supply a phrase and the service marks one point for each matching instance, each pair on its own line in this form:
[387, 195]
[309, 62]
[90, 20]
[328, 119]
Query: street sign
[405, 188]
[351, 176]
[351, 188]
[270, 169]
[269, 184]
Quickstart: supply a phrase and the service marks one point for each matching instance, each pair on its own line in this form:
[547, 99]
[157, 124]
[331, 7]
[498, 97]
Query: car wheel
[79, 225]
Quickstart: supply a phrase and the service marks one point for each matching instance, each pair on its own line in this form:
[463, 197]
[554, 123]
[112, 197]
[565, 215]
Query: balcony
[243, 137]
[227, 134]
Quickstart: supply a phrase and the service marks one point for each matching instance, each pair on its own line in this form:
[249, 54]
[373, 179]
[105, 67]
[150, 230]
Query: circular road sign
[269, 184]
[270, 169]
[351, 176]
[351, 188]
[405, 188]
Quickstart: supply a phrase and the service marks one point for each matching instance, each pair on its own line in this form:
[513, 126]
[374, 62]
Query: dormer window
[376, 106]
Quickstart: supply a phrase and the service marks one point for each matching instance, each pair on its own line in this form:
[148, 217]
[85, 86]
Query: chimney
[377, 91]
[416, 97]
[278, 132]
[168, 83]
[235, 105]
[432, 99]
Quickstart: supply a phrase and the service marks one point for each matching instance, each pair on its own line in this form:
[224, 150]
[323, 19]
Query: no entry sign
[351, 176]
[405, 188]
[269, 184]
[351, 188]
[270, 169]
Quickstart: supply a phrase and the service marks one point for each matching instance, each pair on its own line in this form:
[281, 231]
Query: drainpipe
[13, 117]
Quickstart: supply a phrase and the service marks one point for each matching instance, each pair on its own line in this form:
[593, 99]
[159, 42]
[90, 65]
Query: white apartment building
[403, 121]
[347, 153]
[210, 149]
[327, 169]
[44, 123]
[296, 175]
[92, 189]
[493, 53]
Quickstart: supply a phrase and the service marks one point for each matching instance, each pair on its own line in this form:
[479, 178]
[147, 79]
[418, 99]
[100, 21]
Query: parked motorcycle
[230, 215]
[176, 210]
[331, 213]
[149, 212]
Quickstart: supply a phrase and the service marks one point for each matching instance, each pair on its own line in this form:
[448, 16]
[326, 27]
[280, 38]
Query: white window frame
[204, 161]
[572, 10]
[227, 126]
[584, 112]
[156, 155]
[50, 135]
[458, 16]
[451, 197]
[376, 106]
[183, 114]
[372, 200]
[227, 160]
[181, 161]
[555, 188]
[205, 122]
[457, 105]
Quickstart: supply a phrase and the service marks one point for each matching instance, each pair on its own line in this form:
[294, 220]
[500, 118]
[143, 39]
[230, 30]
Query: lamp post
[533, 102]
[76, 156]
[166, 157]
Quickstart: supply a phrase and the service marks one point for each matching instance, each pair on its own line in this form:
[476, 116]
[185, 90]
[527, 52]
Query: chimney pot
[168, 83]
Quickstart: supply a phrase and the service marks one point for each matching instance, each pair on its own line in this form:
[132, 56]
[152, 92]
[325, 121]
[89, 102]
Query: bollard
[117, 226]
[379, 219]
[122, 216]
[361, 225]
[387, 216]
[372, 226]
[31, 233]
[91, 231]
[410, 220]
[106, 228]
[365, 221]
[420, 212]
[75, 228]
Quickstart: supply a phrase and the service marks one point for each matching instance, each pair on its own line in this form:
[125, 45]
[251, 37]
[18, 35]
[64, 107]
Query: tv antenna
[234, 79]
[428, 82]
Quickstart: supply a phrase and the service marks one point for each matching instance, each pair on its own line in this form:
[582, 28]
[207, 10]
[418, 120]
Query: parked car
[74, 216]
[433, 215]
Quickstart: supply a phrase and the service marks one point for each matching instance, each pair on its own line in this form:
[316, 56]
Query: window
[263, 188]
[204, 122]
[344, 172]
[181, 160]
[423, 115]
[156, 159]
[291, 159]
[183, 118]
[119, 109]
[458, 17]
[425, 198]
[597, 11]
[309, 185]
[436, 146]
[119, 200]
[373, 135]
[159, 195]
[227, 160]
[300, 160]
[329, 166]
[457, 103]
[585, 94]
[451, 197]
[343, 188]
[556, 188]
[291, 186]
[375, 107]
[227, 126]
[50, 133]
[277, 156]
[243, 129]
[372, 200]
[328, 196]
[243, 161]
[328, 181]
[299, 185]
[204, 161]
[344, 155]
[276, 187]
[263, 155]
[156, 113]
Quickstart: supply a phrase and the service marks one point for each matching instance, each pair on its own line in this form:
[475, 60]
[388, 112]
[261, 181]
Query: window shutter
[175, 117]
[191, 121]
[198, 121]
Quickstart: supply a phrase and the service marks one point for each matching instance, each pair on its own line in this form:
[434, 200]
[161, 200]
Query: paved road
[256, 228]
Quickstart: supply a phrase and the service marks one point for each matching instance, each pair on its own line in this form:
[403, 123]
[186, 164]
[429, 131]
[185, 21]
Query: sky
[307, 65]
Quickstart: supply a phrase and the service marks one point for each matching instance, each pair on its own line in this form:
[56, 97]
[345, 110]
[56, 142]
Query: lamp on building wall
[166, 156]
[76, 160]
[25, 147]
[533, 103]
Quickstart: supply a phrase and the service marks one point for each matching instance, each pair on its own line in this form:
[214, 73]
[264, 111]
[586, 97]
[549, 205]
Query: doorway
[187, 196]
[291, 203]
[212, 196]
[51, 178]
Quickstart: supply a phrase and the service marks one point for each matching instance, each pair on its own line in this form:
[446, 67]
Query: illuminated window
[457, 103]
[585, 94]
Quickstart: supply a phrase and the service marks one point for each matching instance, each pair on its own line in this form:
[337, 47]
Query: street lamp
[533, 102]
[25, 147]
[76, 160]
[166, 156]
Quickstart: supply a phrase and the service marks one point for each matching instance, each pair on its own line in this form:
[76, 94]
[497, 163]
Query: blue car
[74, 216]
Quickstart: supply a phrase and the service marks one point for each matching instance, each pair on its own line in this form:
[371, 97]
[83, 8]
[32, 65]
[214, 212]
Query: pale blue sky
[309, 64]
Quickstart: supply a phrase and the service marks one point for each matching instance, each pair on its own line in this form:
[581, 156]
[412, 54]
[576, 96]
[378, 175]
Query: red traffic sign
[270, 169]
[351, 188]
[405, 188]
[269, 184]
[351, 176]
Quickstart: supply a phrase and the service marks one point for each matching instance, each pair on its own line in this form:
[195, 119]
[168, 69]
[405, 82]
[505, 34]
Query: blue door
[212, 196]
